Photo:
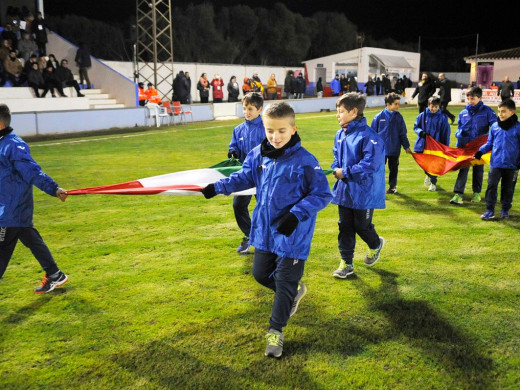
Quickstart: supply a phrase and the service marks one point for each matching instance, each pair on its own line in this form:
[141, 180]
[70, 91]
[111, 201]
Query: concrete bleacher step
[101, 106]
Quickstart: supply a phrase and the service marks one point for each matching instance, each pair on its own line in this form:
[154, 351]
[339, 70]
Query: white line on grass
[170, 131]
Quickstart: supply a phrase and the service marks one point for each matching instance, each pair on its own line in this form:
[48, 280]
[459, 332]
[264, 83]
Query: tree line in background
[244, 35]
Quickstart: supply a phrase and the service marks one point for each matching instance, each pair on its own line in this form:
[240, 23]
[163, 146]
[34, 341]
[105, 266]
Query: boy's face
[278, 131]
[473, 100]
[394, 106]
[344, 116]
[433, 108]
[251, 112]
[505, 113]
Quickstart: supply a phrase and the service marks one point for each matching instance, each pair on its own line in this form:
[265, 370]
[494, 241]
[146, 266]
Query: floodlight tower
[154, 45]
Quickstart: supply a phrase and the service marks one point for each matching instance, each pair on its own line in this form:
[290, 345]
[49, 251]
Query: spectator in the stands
[42, 62]
[9, 35]
[83, 61]
[39, 30]
[13, 69]
[26, 47]
[65, 78]
[35, 79]
[203, 88]
[218, 92]
[5, 48]
[51, 82]
[33, 59]
[52, 61]
[272, 88]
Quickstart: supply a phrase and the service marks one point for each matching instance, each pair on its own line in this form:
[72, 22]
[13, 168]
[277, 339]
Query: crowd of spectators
[24, 61]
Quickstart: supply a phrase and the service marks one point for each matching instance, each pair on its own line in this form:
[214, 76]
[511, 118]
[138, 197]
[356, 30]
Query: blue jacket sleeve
[417, 125]
[31, 172]
[489, 144]
[233, 145]
[445, 131]
[402, 133]
[317, 197]
[238, 181]
[335, 163]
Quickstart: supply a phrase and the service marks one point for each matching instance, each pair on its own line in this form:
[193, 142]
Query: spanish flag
[438, 159]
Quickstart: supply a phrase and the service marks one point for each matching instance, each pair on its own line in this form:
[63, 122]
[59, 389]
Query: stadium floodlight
[154, 44]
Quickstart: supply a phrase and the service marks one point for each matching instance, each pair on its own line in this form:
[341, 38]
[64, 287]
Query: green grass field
[159, 299]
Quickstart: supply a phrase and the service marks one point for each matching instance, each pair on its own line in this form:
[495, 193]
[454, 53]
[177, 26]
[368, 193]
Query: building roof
[508, 54]
[392, 61]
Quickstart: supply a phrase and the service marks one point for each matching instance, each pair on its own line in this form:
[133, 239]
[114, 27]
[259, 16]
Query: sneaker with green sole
[457, 199]
[274, 343]
[302, 290]
[373, 254]
[343, 270]
[476, 197]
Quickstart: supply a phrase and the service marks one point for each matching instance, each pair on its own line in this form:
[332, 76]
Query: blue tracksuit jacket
[435, 125]
[391, 128]
[246, 136]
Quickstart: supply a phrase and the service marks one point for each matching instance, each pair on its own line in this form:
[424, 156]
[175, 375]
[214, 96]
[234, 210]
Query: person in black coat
[386, 85]
[181, 88]
[39, 29]
[369, 86]
[65, 78]
[343, 82]
[425, 89]
[445, 94]
[378, 86]
[506, 89]
[51, 82]
[233, 90]
[84, 62]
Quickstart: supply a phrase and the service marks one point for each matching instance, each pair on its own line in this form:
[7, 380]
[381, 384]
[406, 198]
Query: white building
[494, 66]
[364, 62]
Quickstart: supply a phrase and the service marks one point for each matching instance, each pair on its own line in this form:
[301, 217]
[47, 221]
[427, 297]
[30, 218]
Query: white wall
[504, 68]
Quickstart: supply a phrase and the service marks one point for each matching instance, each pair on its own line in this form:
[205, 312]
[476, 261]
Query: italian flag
[438, 159]
[178, 183]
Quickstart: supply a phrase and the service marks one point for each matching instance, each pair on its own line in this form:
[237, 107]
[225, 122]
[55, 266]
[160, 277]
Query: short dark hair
[352, 100]
[435, 100]
[253, 98]
[508, 103]
[475, 91]
[280, 110]
[5, 115]
[392, 97]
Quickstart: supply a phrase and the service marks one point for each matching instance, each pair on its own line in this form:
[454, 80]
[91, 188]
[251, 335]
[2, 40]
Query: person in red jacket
[218, 93]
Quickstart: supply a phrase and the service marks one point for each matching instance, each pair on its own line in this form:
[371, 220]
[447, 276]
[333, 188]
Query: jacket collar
[508, 123]
[268, 150]
[358, 123]
[5, 131]
[255, 121]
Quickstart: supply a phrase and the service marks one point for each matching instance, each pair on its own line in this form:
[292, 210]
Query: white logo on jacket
[21, 147]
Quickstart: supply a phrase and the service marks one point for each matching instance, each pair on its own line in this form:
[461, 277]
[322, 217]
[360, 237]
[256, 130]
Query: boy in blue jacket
[18, 173]
[504, 143]
[245, 137]
[359, 167]
[434, 123]
[390, 126]
[290, 188]
[474, 121]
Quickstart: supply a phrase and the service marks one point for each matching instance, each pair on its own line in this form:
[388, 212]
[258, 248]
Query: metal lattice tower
[154, 46]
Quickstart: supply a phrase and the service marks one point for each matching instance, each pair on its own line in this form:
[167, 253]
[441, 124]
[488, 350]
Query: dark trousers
[73, 84]
[352, 221]
[507, 189]
[281, 275]
[31, 238]
[444, 110]
[433, 179]
[241, 209]
[422, 106]
[462, 178]
[204, 99]
[83, 75]
[393, 168]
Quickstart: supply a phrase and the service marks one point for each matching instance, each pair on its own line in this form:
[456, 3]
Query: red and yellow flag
[438, 159]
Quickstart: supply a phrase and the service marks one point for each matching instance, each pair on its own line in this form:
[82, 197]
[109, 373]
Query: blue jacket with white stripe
[246, 136]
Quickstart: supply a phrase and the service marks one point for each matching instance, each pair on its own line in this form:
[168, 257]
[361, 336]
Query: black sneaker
[48, 284]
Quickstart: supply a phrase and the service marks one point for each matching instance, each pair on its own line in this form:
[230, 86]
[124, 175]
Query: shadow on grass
[461, 356]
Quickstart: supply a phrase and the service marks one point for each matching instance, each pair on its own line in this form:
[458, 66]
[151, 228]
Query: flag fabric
[438, 159]
[189, 182]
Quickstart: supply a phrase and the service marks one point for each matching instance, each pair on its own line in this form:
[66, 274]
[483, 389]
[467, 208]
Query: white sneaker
[432, 187]
[427, 180]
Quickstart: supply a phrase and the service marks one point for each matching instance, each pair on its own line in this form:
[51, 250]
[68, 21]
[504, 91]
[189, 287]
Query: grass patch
[158, 298]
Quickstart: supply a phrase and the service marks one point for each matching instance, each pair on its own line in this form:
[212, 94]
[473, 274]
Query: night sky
[439, 23]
